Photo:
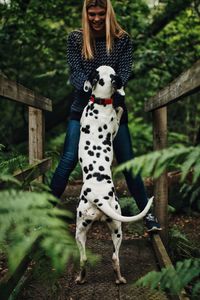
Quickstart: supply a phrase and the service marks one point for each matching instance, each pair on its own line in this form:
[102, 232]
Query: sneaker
[152, 223]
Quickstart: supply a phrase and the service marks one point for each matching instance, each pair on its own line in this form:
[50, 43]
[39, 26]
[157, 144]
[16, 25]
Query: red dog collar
[101, 101]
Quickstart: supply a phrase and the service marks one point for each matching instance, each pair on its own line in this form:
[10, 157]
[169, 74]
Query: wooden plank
[34, 171]
[161, 184]
[36, 135]
[165, 261]
[186, 84]
[17, 92]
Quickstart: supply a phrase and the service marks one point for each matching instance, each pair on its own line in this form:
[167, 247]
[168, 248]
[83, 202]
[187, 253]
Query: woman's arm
[125, 59]
[74, 59]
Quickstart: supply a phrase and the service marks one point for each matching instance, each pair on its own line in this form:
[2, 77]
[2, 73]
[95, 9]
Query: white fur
[105, 209]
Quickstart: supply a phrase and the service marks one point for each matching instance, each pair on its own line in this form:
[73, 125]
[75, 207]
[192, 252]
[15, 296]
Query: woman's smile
[96, 17]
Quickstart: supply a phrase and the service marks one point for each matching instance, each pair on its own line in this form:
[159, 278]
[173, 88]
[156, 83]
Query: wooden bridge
[138, 256]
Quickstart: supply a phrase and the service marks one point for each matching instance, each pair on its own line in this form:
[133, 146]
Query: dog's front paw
[120, 280]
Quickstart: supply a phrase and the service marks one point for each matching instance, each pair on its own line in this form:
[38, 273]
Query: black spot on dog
[99, 176]
[96, 117]
[88, 221]
[110, 193]
[96, 200]
[85, 169]
[106, 198]
[91, 153]
[86, 129]
[111, 119]
[88, 190]
[91, 107]
[100, 136]
[98, 154]
[105, 151]
[107, 141]
[99, 129]
[80, 159]
[91, 167]
[94, 147]
[100, 204]
[116, 231]
[101, 168]
[105, 126]
[101, 82]
[87, 143]
[116, 207]
[91, 114]
[80, 214]
[107, 158]
[86, 147]
[94, 161]
[89, 176]
[99, 148]
[108, 149]
[118, 235]
[85, 193]
[84, 224]
[96, 111]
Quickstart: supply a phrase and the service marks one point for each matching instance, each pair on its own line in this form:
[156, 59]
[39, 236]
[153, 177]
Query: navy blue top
[120, 59]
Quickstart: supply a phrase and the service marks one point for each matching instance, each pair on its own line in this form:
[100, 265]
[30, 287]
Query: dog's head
[104, 82]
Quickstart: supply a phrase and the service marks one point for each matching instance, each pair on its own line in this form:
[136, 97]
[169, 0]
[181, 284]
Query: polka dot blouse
[120, 59]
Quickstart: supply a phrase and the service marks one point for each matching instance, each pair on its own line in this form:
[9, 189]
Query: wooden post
[161, 184]
[36, 135]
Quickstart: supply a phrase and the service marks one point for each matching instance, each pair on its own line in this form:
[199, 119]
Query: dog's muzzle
[101, 101]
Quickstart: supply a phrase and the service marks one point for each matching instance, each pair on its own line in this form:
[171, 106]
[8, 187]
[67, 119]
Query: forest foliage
[33, 52]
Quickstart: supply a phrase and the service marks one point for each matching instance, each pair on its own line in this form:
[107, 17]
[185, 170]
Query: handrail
[185, 84]
[17, 92]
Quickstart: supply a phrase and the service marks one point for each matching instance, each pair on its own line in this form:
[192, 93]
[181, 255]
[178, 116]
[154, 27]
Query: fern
[155, 163]
[10, 162]
[172, 279]
[180, 246]
[27, 216]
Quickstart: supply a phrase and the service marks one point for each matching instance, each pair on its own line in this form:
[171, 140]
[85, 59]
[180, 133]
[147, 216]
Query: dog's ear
[87, 86]
[94, 78]
[117, 84]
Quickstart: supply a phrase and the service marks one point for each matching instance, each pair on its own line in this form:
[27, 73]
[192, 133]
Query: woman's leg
[68, 160]
[123, 152]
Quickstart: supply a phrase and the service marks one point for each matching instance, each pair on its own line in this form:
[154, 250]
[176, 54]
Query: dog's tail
[107, 210]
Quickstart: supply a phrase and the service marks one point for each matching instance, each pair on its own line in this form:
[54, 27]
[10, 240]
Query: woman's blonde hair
[113, 29]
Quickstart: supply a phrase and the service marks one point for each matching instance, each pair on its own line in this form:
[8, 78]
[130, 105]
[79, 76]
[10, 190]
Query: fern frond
[27, 216]
[155, 163]
[172, 279]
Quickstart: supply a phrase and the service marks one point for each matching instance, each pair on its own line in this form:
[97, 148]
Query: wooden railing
[186, 84]
[10, 90]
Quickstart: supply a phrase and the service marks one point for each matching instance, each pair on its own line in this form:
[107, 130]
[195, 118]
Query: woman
[101, 41]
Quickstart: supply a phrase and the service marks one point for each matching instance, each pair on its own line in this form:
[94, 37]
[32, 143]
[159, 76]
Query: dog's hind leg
[116, 233]
[81, 234]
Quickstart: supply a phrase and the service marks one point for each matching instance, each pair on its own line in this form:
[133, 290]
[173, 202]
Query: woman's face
[96, 17]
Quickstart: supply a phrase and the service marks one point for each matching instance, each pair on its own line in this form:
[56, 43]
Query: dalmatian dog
[98, 201]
